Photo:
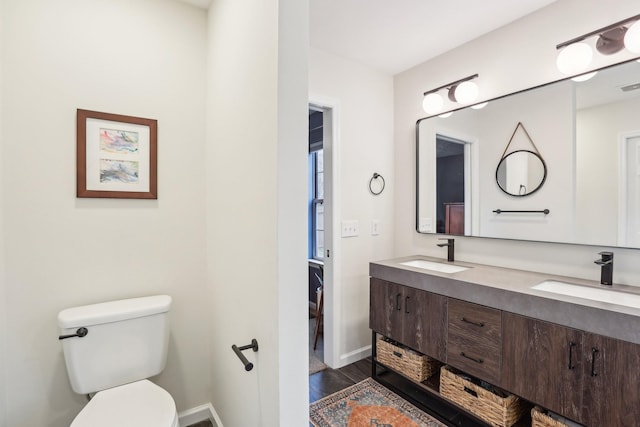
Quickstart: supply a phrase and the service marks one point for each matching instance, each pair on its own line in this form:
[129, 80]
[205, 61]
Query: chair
[319, 317]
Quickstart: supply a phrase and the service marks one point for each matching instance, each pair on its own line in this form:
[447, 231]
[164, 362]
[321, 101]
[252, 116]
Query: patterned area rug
[368, 404]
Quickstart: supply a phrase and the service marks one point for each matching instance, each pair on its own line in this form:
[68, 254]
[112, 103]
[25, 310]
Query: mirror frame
[544, 176]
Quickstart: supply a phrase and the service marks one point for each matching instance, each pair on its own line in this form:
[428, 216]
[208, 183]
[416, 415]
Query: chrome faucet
[606, 270]
[450, 248]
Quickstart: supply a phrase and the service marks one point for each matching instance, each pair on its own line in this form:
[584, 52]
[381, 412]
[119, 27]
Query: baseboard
[354, 356]
[199, 413]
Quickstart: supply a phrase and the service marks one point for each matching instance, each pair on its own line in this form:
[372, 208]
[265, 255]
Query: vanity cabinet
[416, 318]
[474, 339]
[586, 377]
[590, 378]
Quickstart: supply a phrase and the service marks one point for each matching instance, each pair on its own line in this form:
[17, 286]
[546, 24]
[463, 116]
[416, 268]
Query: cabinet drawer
[474, 339]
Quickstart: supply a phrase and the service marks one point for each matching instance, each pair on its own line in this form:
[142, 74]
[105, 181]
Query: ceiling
[395, 35]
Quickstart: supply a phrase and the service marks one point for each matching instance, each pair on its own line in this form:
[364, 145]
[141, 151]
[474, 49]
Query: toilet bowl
[139, 404]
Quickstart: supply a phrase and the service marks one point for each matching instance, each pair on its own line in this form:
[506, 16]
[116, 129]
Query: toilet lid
[139, 404]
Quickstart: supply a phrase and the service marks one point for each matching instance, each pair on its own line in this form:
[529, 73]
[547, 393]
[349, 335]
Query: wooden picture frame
[117, 156]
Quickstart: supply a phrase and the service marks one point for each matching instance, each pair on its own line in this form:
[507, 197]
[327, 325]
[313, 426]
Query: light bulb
[632, 38]
[432, 103]
[480, 105]
[574, 58]
[466, 92]
[584, 77]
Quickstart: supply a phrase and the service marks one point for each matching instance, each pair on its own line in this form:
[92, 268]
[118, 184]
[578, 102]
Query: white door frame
[622, 184]
[331, 303]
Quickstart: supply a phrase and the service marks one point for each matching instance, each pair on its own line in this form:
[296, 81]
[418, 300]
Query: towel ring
[375, 177]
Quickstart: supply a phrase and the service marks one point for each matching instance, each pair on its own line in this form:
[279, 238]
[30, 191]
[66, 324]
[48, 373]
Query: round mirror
[521, 173]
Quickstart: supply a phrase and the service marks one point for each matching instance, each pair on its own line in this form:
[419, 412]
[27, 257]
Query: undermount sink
[434, 266]
[594, 294]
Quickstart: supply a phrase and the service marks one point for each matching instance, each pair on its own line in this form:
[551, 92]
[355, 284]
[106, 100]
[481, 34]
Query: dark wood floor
[329, 381]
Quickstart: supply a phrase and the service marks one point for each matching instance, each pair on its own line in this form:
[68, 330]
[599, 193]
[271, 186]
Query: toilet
[110, 349]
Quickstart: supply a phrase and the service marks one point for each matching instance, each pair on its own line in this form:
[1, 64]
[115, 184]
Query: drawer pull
[406, 305]
[471, 358]
[395, 353]
[594, 351]
[571, 345]
[398, 302]
[471, 322]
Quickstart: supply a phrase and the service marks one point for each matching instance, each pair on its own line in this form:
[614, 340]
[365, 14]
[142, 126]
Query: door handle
[594, 351]
[398, 302]
[571, 345]
[406, 305]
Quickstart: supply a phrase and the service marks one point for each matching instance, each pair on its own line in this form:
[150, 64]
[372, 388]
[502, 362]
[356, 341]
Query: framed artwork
[117, 156]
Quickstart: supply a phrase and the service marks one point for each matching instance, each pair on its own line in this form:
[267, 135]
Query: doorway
[330, 210]
[453, 187]
[316, 235]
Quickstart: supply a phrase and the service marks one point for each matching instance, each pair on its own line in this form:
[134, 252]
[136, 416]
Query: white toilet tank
[126, 341]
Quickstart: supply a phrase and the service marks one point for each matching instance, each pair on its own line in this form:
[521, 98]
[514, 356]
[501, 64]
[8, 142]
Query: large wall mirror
[582, 184]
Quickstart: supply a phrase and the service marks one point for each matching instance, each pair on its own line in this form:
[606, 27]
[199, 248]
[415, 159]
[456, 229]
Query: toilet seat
[138, 404]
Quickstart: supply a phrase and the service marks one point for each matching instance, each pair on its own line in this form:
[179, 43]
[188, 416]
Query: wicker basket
[408, 362]
[540, 419]
[495, 410]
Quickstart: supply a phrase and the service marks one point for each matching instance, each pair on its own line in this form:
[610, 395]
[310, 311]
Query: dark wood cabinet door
[611, 385]
[424, 322]
[386, 308]
[410, 316]
[542, 362]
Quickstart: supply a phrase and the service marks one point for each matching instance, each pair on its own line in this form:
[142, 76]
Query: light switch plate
[425, 225]
[350, 228]
[375, 227]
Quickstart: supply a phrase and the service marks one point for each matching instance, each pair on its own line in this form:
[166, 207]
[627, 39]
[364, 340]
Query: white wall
[509, 59]
[3, 306]
[364, 98]
[293, 86]
[599, 132]
[143, 58]
[256, 210]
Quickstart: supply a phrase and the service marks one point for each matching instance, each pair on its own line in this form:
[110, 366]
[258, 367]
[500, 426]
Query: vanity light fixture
[576, 54]
[432, 103]
[480, 105]
[463, 91]
[584, 77]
